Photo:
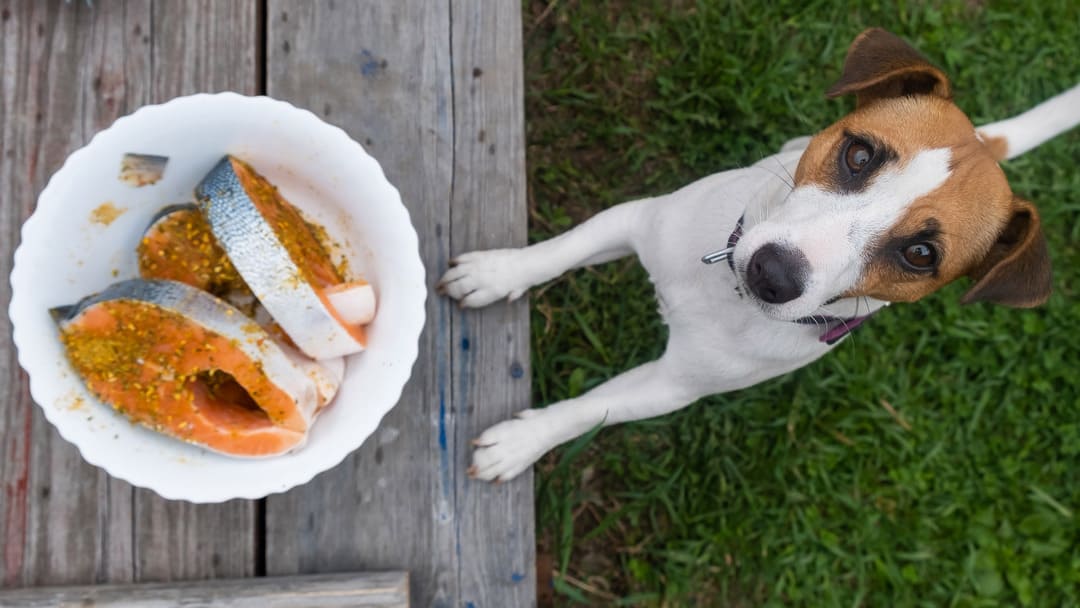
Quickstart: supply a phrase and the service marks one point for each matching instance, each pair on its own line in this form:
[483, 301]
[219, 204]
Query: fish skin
[168, 210]
[265, 265]
[142, 169]
[219, 317]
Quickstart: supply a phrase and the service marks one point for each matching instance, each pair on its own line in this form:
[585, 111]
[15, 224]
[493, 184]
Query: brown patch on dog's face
[940, 236]
[895, 200]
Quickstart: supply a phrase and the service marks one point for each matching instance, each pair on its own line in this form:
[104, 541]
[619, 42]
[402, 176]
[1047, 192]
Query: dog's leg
[479, 278]
[508, 448]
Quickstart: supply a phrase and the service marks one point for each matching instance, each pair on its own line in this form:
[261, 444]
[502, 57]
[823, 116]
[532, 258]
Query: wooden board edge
[388, 589]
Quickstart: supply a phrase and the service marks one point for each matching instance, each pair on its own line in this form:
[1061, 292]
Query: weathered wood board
[495, 524]
[198, 46]
[69, 70]
[369, 590]
[433, 90]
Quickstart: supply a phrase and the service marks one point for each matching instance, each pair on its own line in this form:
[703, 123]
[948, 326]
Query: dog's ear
[1016, 271]
[881, 65]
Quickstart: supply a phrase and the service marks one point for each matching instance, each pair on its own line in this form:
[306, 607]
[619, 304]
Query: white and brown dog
[890, 203]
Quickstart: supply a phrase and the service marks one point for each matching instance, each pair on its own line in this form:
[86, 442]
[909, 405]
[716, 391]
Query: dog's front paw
[479, 278]
[508, 448]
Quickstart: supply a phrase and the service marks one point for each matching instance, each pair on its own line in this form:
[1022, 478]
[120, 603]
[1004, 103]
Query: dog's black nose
[775, 273]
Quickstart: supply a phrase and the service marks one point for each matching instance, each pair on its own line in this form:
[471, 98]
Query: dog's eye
[857, 156]
[920, 256]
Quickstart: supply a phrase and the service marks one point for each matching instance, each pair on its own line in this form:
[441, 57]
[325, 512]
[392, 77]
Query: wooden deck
[434, 91]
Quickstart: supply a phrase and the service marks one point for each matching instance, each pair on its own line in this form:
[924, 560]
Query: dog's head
[893, 201]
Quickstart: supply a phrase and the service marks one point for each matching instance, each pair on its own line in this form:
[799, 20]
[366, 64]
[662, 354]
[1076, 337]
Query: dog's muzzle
[776, 274]
[779, 275]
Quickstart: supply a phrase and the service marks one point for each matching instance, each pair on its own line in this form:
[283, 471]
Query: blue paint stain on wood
[470, 605]
[370, 65]
[442, 422]
[442, 347]
[517, 577]
[461, 395]
[516, 371]
[444, 453]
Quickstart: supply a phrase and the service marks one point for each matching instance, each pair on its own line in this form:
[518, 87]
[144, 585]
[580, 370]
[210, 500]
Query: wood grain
[69, 70]
[205, 46]
[379, 70]
[491, 364]
[391, 75]
[366, 590]
[198, 46]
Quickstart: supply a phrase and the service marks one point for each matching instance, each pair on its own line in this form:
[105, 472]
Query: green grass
[932, 460]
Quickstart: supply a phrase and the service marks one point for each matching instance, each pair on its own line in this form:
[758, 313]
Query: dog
[893, 201]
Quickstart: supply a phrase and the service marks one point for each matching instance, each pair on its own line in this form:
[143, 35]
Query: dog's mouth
[834, 328]
[832, 324]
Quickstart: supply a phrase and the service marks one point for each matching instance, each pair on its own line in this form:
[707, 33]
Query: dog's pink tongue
[841, 329]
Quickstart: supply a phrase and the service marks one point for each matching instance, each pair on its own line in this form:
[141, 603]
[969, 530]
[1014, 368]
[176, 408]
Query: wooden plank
[381, 71]
[199, 46]
[367, 590]
[389, 74]
[206, 46]
[491, 365]
[68, 71]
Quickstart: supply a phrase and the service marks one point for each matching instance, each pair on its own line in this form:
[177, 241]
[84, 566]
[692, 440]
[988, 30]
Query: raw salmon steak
[179, 246]
[182, 362]
[281, 258]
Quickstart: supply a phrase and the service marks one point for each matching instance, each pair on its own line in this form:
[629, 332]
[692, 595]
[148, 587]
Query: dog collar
[835, 327]
[725, 254]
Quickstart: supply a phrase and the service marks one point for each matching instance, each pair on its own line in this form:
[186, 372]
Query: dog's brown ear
[881, 65]
[1016, 271]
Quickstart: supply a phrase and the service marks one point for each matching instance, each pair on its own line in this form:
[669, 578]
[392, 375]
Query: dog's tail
[1012, 137]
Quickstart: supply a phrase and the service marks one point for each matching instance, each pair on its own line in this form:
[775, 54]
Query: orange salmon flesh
[181, 247]
[177, 377]
[298, 237]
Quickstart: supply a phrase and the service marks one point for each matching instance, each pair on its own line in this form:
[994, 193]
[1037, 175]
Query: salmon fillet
[281, 257]
[181, 362]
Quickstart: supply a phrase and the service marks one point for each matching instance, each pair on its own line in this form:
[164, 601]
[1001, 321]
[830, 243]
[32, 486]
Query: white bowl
[68, 251]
